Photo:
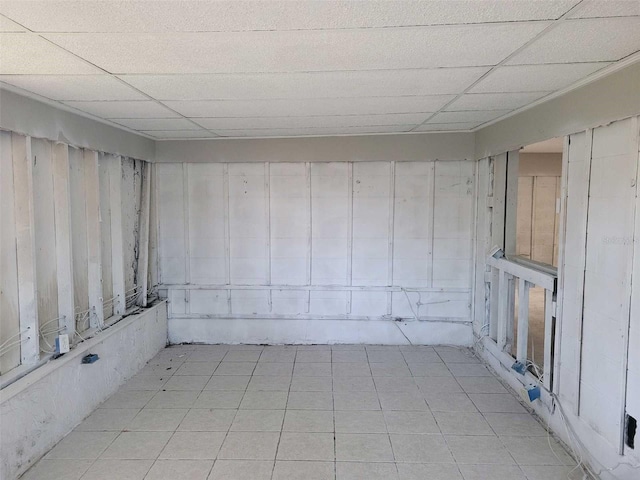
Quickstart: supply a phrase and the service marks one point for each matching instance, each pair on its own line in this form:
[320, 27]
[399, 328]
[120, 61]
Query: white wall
[280, 243]
[38, 410]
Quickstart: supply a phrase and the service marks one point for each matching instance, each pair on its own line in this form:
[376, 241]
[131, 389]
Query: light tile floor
[214, 412]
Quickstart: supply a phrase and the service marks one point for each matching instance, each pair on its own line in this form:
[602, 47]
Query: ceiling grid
[209, 69]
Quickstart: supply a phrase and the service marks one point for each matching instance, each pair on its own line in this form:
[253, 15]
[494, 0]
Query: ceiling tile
[607, 8]
[535, 78]
[311, 122]
[156, 123]
[287, 132]
[7, 25]
[467, 117]
[494, 101]
[24, 53]
[311, 106]
[296, 51]
[590, 40]
[74, 87]
[435, 127]
[199, 15]
[164, 134]
[136, 109]
[307, 85]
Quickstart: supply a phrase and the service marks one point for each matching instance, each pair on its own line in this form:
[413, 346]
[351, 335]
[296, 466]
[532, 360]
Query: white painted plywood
[131, 192]
[171, 239]
[78, 230]
[105, 232]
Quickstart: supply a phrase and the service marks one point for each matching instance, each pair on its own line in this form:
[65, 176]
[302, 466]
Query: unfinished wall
[262, 252]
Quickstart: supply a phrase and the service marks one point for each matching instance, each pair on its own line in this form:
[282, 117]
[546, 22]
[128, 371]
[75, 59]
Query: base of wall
[270, 331]
[38, 410]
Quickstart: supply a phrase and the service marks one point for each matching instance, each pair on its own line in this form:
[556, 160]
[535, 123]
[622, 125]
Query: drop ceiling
[208, 69]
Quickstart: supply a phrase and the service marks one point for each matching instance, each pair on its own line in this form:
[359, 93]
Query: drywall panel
[413, 147]
[9, 310]
[606, 99]
[131, 191]
[44, 221]
[321, 240]
[105, 232]
[524, 216]
[35, 118]
[37, 411]
[79, 232]
[609, 261]
[544, 220]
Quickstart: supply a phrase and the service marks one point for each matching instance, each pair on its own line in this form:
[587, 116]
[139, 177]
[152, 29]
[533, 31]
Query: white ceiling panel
[436, 127]
[312, 122]
[300, 51]
[607, 8]
[307, 85]
[74, 87]
[286, 132]
[218, 16]
[165, 134]
[477, 116]
[494, 101]
[534, 78]
[589, 40]
[157, 123]
[7, 25]
[23, 53]
[136, 109]
[309, 106]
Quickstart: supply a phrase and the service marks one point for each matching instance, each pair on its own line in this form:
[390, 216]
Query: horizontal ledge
[306, 317]
[526, 272]
[306, 288]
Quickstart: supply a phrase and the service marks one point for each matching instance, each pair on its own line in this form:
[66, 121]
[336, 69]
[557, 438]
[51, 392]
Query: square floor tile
[349, 356]
[362, 470]
[469, 370]
[242, 470]
[479, 449]
[367, 447]
[182, 469]
[207, 420]
[311, 384]
[450, 402]
[107, 420]
[287, 470]
[82, 446]
[137, 445]
[395, 384]
[482, 472]
[420, 448]
[316, 421]
[355, 401]
[351, 369]
[431, 385]
[235, 368]
[250, 446]
[173, 399]
[274, 369]
[145, 382]
[390, 370]
[402, 401]
[128, 399]
[536, 451]
[546, 472]
[481, 385]
[430, 370]
[197, 368]
[516, 424]
[410, 422]
[312, 369]
[278, 355]
[457, 355]
[270, 383]
[420, 358]
[258, 421]
[193, 446]
[430, 471]
[306, 446]
[120, 469]
[242, 356]
[264, 401]
[219, 399]
[206, 356]
[228, 382]
[320, 356]
[157, 420]
[462, 423]
[353, 384]
[385, 356]
[57, 469]
[497, 403]
[310, 401]
[359, 421]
